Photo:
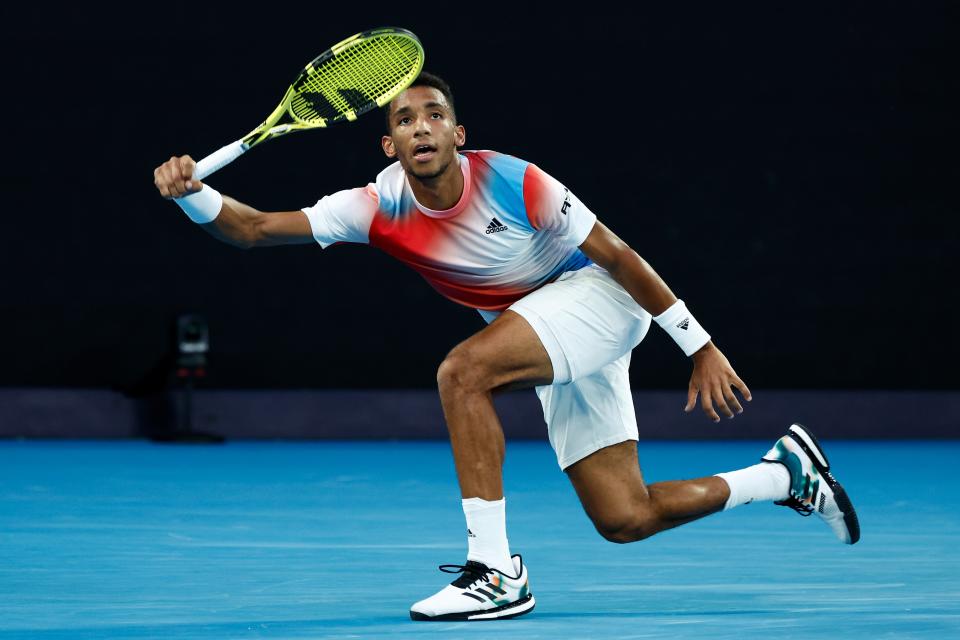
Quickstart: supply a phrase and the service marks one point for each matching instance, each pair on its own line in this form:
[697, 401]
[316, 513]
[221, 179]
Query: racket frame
[270, 129]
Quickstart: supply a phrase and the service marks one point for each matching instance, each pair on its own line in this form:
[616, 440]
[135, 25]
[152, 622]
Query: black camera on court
[193, 341]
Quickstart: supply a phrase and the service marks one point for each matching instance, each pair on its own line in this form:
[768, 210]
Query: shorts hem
[583, 453]
[562, 371]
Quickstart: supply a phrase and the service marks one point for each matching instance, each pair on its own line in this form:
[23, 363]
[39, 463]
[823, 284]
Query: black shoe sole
[850, 518]
[422, 617]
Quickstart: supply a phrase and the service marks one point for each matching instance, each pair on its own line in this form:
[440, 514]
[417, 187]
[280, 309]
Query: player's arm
[236, 223]
[713, 377]
[626, 266]
[243, 226]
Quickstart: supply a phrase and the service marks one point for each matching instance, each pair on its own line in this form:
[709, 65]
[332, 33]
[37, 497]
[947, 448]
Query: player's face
[424, 134]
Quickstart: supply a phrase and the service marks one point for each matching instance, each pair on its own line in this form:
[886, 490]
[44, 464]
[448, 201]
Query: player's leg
[526, 345]
[507, 353]
[593, 429]
[624, 508]
[794, 473]
[592, 426]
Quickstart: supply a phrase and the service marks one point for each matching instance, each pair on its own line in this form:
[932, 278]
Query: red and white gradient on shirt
[461, 252]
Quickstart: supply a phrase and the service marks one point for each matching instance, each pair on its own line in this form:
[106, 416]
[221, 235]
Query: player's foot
[480, 593]
[813, 489]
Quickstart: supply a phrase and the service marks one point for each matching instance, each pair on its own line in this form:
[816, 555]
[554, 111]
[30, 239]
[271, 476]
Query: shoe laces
[472, 572]
[800, 507]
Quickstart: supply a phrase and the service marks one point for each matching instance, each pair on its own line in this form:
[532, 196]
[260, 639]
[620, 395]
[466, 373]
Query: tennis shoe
[480, 593]
[813, 489]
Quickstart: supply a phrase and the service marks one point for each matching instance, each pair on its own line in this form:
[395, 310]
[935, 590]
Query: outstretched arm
[713, 378]
[236, 223]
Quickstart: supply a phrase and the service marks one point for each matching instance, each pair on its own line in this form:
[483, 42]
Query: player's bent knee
[625, 527]
[460, 372]
[623, 535]
[618, 536]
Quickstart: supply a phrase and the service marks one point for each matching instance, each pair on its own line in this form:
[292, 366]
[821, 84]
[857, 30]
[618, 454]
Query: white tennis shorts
[589, 325]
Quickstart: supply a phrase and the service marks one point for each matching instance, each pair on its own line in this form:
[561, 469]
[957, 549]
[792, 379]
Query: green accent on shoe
[802, 486]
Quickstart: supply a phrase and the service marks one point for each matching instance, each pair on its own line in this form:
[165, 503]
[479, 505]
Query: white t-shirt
[514, 229]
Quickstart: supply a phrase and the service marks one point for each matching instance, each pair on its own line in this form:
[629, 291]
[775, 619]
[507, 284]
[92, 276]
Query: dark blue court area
[128, 539]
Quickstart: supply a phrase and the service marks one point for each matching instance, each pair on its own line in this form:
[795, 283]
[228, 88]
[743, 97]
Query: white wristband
[683, 327]
[203, 206]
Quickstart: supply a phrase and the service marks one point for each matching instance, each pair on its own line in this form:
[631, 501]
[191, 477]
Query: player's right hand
[174, 178]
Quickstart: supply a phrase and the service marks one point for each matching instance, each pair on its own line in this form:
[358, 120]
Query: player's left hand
[714, 379]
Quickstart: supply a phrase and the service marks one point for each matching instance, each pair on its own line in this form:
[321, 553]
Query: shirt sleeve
[553, 207]
[344, 216]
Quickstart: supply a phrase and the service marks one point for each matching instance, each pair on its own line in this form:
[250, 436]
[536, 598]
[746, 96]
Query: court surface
[336, 540]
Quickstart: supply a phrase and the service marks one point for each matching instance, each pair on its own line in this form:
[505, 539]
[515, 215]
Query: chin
[429, 171]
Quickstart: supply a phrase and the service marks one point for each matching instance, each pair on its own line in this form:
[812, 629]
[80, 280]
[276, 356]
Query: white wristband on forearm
[203, 206]
[683, 327]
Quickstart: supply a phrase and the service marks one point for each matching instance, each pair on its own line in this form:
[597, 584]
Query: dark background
[791, 171]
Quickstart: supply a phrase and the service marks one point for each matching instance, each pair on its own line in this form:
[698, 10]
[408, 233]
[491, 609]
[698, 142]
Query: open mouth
[424, 152]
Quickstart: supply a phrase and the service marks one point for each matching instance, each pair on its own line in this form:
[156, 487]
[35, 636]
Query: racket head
[361, 73]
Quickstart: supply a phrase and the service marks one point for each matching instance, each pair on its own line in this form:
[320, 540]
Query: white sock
[487, 533]
[764, 481]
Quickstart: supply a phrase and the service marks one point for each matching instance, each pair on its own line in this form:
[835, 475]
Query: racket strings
[372, 68]
[359, 78]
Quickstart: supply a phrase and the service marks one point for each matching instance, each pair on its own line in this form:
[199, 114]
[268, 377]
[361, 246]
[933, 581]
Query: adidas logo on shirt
[495, 226]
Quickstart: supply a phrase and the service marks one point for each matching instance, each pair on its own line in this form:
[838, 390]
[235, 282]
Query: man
[566, 301]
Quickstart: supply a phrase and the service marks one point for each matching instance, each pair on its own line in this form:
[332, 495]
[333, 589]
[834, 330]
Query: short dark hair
[427, 79]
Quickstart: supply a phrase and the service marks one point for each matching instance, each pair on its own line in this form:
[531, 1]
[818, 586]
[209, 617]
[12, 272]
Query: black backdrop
[790, 171]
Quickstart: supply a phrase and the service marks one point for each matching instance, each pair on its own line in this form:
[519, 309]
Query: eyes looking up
[405, 120]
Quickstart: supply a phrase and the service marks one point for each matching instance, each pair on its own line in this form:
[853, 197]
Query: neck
[439, 192]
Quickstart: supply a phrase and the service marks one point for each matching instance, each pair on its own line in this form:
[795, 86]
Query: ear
[460, 135]
[387, 143]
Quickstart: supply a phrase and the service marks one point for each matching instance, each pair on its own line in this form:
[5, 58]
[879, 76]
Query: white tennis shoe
[480, 593]
[813, 489]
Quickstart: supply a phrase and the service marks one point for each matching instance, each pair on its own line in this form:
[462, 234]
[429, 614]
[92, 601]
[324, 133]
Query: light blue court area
[336, 540]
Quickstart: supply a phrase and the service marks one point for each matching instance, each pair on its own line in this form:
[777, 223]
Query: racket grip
[219, 159]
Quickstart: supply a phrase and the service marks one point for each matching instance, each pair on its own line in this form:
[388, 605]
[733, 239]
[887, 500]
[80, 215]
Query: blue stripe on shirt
[506, 185]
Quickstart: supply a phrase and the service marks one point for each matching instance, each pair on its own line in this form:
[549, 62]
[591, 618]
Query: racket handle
[219, 159]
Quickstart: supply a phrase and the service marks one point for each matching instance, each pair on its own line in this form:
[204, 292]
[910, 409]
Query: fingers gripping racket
[363, 72]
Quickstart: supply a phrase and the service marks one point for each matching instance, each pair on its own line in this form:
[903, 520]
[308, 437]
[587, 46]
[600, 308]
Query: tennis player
[566, 301]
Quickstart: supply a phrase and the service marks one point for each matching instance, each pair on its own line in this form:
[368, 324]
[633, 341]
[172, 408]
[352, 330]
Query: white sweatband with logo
[683, 327]
[203, 206]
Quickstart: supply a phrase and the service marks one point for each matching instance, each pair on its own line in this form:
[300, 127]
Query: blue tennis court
[126, 539]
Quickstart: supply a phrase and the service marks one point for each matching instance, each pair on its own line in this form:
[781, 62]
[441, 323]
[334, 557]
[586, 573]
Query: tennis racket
[350, 78]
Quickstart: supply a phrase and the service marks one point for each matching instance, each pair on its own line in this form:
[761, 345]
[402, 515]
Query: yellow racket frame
[363, 72]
